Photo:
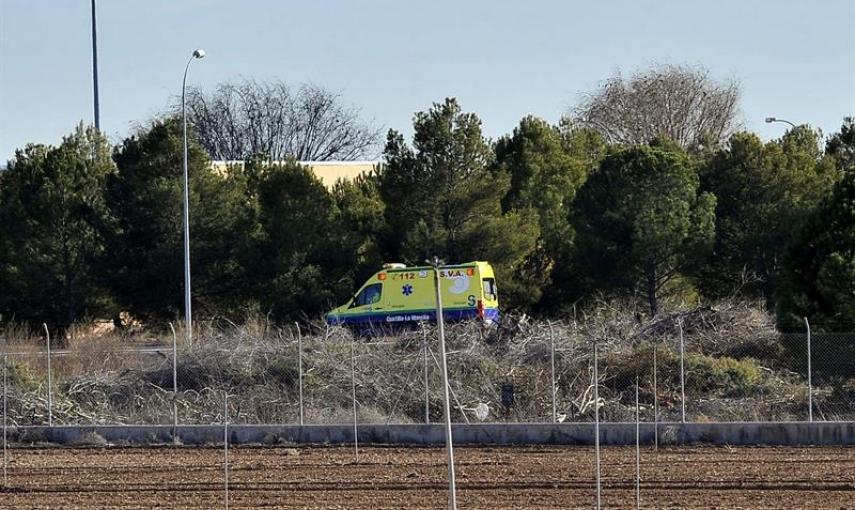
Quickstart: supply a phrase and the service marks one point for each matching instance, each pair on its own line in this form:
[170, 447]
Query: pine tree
[145, 255]
[442, 199]
[640, 220]
[51, 201]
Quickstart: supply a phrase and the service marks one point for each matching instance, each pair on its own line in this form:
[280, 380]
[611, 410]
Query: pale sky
[502, 60]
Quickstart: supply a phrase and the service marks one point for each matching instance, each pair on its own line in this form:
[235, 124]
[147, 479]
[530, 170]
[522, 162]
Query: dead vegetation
[735, 370]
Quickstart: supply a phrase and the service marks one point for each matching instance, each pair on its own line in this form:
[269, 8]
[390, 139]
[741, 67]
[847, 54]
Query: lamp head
[435, 262]
[199, 53]
[769, 120]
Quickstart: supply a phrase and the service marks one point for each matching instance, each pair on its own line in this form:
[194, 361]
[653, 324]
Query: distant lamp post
[188, 315]
[770, 120]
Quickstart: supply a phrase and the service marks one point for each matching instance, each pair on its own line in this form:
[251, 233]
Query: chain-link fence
[687, 368]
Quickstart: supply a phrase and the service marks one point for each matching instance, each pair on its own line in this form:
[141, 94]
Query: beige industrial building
[329, 172]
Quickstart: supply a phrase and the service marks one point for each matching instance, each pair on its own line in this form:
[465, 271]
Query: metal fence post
[809, 374]
[655, 402]
[637, 448]
[552, 372]
[226, 446]
[682, 374]
[449, 442]
[300, 368]
[5, 385]
[174, 384]
[353, 393]
[49, 381]
[597, 426]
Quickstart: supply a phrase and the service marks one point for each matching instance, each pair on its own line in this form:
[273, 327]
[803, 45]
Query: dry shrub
[734, 371]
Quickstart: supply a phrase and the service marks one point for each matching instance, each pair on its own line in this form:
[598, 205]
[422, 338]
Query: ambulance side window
[369, 295]
[490, 288]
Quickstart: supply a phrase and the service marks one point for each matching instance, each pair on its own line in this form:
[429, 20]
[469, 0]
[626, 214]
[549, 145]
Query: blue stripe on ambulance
[458, 314]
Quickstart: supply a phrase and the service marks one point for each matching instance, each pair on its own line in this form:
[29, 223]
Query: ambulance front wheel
[490, 331]
[361, 332]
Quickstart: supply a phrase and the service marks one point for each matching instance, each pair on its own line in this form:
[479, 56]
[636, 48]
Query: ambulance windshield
[369, 295]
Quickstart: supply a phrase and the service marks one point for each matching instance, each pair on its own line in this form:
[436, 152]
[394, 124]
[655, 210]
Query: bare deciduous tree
[245, 118]
[680, 102]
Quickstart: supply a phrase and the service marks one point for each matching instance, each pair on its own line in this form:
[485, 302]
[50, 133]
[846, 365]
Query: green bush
[622, 367]
[717, 376]
[19, 376]
[727, 377]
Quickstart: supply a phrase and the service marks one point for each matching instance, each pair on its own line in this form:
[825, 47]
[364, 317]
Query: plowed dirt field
[413, 478]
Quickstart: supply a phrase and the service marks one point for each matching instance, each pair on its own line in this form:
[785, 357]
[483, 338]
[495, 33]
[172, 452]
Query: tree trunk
[650, 273]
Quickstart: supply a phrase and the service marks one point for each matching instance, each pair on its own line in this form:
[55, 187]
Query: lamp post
[440, 322]
[95, 69]
[770, 120]
[188, 315]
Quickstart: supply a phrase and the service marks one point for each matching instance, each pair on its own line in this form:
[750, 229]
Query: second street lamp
[188, 315]
[770, 120]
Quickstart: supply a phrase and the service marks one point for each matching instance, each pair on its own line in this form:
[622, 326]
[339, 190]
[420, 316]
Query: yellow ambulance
[401, 297]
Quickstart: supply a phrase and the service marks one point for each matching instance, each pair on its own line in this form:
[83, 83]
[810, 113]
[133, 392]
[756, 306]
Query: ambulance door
[489, 292]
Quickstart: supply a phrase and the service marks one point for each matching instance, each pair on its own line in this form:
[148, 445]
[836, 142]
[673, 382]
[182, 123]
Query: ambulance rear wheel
[490, 332]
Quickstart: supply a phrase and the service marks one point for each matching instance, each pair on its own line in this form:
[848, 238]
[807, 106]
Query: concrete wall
[797, 433]
[329, 172]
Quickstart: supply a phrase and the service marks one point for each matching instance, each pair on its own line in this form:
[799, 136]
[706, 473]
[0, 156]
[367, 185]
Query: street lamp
[188, 316]
[770, 120]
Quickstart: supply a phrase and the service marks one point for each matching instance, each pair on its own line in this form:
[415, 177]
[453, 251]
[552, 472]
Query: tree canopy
[820, 266]
[546, 167]
[310, 123]
[443, 199]
[641, 220]
[763, 192]
[565, 213]
[144, 254]
[841, 146]
[679, 102]
[51, 201]
[302, 265]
